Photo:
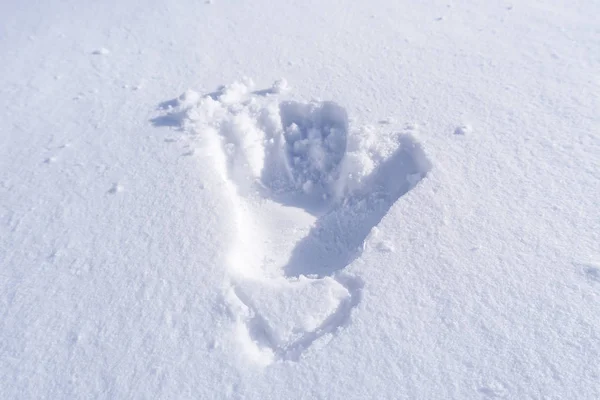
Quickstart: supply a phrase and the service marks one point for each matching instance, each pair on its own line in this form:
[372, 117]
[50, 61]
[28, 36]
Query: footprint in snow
[306, 192]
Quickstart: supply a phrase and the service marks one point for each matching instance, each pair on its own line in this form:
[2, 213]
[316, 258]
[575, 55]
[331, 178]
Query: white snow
[317, 199]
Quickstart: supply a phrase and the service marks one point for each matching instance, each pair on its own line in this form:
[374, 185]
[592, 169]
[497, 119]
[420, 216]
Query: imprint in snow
[287, 316]
[306, 191]
[337, 236]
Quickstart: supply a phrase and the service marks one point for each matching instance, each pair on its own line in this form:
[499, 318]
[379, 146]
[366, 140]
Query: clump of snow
[116, 188]
[188, 99]
[462, 130]
[101, 51]
[236, 92]
[280, 86]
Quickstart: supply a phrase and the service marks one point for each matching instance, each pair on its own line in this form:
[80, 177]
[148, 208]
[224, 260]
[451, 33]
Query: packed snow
[317, 199]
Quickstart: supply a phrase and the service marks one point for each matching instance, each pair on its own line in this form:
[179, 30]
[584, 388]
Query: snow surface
[316, 199]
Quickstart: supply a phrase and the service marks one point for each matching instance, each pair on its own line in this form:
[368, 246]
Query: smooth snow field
[252, 199]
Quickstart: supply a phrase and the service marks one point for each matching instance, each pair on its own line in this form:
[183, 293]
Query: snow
[318, 199]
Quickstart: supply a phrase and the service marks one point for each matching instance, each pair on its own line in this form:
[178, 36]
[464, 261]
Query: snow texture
[401, 203]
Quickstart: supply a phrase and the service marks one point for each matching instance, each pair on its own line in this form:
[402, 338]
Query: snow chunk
[101, 51]
[280, 86]
[462, 130]
[236, 92]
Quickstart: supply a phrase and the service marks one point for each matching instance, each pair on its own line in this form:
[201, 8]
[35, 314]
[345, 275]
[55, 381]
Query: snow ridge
[306, 192]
